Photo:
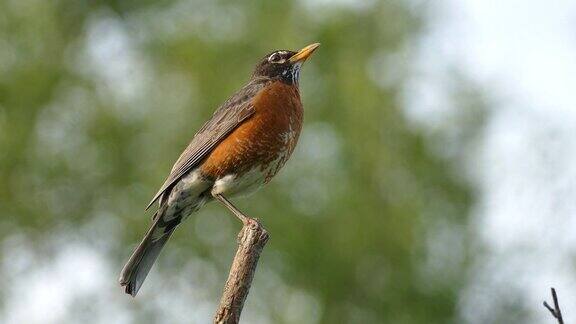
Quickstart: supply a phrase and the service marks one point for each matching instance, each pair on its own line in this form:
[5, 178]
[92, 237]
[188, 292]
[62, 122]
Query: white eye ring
[275, 58]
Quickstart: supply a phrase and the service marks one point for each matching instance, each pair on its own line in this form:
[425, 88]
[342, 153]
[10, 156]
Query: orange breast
[265, 140]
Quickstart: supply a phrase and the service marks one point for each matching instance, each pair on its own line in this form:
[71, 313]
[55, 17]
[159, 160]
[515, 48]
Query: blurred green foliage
[98, 98]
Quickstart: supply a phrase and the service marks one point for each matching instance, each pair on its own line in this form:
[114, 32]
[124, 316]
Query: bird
[239, 149]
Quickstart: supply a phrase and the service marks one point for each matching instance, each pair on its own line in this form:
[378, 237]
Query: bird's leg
[243, 218]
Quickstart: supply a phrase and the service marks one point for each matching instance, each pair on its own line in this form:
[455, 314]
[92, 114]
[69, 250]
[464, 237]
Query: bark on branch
[251, 240]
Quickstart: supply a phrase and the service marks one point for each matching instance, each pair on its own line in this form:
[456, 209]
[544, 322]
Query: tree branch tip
[549, 308]
[556, 312]
[251, 241]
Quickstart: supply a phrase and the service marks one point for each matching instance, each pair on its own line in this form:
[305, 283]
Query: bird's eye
[275, 58]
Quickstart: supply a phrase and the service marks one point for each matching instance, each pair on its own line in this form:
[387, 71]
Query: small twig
[556, 310]
[251, 241]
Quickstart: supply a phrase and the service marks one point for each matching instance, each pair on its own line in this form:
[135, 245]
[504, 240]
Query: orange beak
[304, 53]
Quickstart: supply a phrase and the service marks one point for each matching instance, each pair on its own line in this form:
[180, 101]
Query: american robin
[243, 145]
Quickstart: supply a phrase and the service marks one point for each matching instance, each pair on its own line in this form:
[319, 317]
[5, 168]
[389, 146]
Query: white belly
[247, 183]
[233, 185]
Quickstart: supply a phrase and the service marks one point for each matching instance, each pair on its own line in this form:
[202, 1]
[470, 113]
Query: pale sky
[523, 53]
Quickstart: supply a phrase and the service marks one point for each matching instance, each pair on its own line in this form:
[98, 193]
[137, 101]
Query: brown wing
[225, 119]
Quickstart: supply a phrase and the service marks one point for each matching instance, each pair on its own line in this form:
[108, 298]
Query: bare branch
[251, 240]
[556, 310]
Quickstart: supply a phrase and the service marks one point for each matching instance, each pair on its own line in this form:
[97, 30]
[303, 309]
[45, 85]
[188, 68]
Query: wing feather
[224, 120]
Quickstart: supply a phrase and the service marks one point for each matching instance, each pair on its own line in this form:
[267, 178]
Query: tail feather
[143, 257]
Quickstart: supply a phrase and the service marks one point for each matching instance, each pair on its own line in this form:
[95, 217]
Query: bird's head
[283, 64]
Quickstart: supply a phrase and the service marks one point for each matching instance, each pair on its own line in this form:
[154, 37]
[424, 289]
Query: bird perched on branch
[243, 145]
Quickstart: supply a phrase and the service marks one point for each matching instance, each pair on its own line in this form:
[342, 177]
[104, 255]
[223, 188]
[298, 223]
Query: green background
[97, 100]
